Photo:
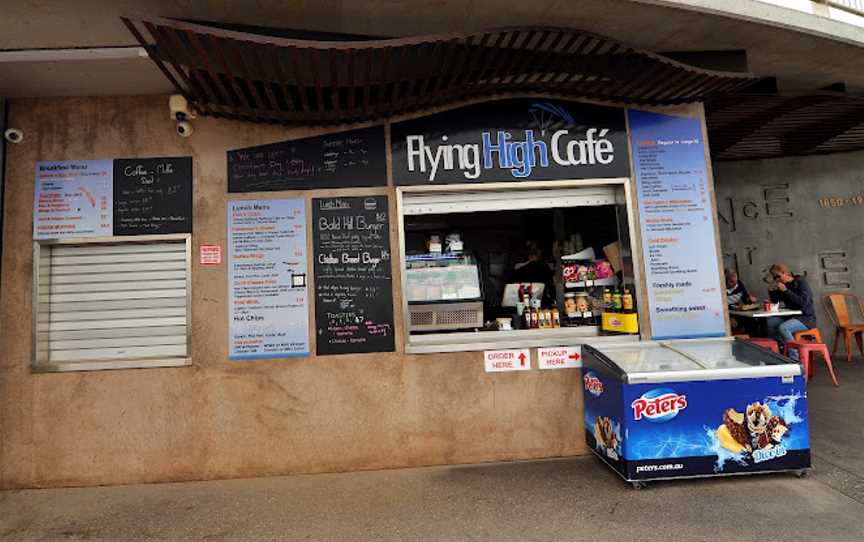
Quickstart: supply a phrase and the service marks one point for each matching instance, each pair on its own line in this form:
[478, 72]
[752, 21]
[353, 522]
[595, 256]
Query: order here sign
[497, 361]
[559, 357]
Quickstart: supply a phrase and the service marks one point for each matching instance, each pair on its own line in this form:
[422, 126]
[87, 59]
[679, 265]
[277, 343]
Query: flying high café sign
[513, 140]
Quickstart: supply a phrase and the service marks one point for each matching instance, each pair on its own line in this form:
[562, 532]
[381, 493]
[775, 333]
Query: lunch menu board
[353, 281]
[268, 315]
[345, 159]
[101, 198]
[677, 222]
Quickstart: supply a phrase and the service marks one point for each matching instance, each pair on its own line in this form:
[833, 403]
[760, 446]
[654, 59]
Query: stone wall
[777, 211]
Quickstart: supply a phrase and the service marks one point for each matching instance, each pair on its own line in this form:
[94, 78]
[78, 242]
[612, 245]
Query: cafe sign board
[511, 141]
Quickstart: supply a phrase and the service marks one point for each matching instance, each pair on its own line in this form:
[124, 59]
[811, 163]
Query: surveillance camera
[184, 129]
[179, 107]
[14, 135]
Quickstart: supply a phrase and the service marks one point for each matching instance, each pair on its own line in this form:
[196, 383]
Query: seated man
[795, 294]
[736, 292]
[737, 296]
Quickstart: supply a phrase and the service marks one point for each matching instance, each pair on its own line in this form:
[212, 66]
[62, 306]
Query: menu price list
[152, 196]
[73, 199]
[353, 282]
[352, 158]
[267, 279]
[677, 226]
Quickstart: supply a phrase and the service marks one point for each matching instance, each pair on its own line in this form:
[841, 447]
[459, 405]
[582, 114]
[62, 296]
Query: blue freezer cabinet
[693, 408]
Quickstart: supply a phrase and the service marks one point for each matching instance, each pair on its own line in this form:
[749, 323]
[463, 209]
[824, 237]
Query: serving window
[508, 267]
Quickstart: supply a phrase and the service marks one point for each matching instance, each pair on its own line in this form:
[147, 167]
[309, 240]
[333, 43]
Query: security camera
[184, 129]
[179, 107]
[14, 135]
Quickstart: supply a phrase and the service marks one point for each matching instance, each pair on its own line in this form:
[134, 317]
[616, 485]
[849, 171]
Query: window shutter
[112, 301]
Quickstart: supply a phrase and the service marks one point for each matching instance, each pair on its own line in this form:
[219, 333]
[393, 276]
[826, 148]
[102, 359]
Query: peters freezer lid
[705, 359]
[647, 357]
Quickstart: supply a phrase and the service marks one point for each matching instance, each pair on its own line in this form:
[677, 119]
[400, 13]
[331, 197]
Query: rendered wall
[222, 419]
[770, 212]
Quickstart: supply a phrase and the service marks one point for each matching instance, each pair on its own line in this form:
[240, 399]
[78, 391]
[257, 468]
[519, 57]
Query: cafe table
[759, 316]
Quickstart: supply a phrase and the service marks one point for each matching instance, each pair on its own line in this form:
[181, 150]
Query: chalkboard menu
[152, 196]
[344, 159]
[353, 282]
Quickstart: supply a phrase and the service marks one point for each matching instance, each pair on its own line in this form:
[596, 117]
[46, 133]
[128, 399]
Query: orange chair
[808, 335]
[804, 352]
[847, 315]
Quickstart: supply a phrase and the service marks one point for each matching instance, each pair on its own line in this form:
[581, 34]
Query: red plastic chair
[770, 344]
[804, 351]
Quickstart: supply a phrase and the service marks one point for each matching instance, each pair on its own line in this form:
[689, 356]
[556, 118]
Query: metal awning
[268, 79]
[743, 127]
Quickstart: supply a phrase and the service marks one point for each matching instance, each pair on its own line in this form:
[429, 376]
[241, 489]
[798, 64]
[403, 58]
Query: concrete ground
[565, 499]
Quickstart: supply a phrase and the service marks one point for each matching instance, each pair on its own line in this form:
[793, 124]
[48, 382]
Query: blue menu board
[685, 296]
[73, 199]
[267, 286]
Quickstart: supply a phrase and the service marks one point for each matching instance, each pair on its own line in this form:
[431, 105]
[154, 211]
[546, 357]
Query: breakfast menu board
[267, 291]
[353, 280]
[73, 199]
[685, 297]
[104, 198]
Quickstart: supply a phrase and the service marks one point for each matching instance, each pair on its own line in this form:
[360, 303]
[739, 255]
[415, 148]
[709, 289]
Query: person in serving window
[534, 269]
[795, 294]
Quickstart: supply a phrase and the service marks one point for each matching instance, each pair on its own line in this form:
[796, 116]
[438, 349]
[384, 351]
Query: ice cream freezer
[692, 408]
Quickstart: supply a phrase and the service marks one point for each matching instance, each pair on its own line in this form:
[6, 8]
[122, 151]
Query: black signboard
[344, 159]
[511, 140]
[152, 196]
[353, 282]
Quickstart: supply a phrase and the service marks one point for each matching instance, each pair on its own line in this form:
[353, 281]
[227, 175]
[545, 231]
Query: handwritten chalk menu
[152, 196]
[353, 158]
[267, 291]
[353, 283]
[685, 297]
[72, 199]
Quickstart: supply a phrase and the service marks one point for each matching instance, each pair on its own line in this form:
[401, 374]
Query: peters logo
[593, 385]
[658, 405]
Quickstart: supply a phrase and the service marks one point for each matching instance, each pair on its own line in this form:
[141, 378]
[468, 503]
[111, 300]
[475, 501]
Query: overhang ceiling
[267, 79]
[801, 61]
[746, 127]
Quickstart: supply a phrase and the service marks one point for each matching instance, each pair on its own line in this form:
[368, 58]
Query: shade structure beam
[276, 80]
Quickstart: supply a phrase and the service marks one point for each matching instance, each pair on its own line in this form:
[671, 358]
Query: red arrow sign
[522, 359]
[574, 356]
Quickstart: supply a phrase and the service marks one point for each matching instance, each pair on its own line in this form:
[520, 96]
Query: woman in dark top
[795, 294]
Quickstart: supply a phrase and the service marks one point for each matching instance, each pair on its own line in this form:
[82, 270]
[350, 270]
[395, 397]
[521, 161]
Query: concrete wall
[770, 211]
[221, 419]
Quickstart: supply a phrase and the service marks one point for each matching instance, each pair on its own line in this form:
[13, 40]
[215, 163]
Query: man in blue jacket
[795, 294]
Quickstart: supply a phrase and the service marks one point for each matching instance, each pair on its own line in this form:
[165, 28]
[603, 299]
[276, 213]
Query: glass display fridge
[691, 408]
[443, 291]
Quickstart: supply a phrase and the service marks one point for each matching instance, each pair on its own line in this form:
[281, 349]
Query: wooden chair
[847, 314]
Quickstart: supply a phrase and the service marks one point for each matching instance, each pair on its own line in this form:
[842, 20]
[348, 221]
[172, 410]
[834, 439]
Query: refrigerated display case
[444, 292]
[691, 408]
